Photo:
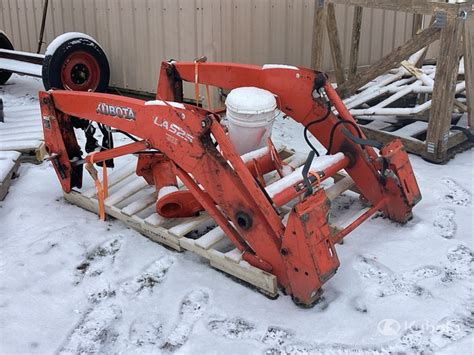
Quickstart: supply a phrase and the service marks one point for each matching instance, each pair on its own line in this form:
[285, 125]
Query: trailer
[72, 61]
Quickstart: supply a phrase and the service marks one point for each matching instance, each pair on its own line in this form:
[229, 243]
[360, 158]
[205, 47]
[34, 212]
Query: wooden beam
[354, 56]
[339, 187]
[461, 106]
[336, 51]
[319, 27]
[413, 145]
[414, 6]
[417, 24]
[392, 60]
[420, 62]
[468, 47]
[444, 91]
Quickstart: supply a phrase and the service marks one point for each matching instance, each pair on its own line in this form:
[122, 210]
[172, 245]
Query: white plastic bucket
[250, 114]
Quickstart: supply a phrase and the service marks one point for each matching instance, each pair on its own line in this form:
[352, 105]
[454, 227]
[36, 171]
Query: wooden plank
[443, 91]
[461, 106]
[390, 61]
[125, 191]
[210, 238]
[265, 281]
[186, 225]
[319, 28]
[468, 44]
[139, 205]
[378, 124]
[414, 6]
[411, 144]
[12, 139]
[422, 58]
[456, 139]
[114, 178]
[157, 234]
[190, 245]
[15, 131]
[234, 254]
[20, 146]
[335, 44]
[411, 130]
[417, 23]
[231, 264]
[355, 42]
[154, 220]
[22, 132]
[9, 162]
[339, 187]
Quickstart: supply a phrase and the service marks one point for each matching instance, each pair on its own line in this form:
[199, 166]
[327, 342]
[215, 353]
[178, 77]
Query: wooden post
[444, 91]
[422, 58]
[417, 23]
[319, 27]
[391, 60]
[468, 43]
[354, 56]
[336, 51]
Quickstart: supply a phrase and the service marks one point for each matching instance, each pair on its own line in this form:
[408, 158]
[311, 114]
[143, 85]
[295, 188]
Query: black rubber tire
[53, 63]
[5, 44]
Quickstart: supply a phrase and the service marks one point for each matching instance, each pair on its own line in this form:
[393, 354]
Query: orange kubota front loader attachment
[188, 142]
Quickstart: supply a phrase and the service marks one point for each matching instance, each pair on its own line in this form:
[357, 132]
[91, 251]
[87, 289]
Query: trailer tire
[78, 63]
[5, 44]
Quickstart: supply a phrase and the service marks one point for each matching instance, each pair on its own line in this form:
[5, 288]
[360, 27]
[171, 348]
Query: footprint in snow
[459, 265]
[384, 282]
[146, 332]
[457, 194]
[97, 260]
[153, 275]
[192, 309]
[283, 341]
[444, 224]
[414, 340]
[239, 328]
[234, 328]
[95, 332]
[98, 297]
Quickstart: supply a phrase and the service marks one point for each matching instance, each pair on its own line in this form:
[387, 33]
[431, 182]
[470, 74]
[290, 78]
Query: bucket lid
[250, 100]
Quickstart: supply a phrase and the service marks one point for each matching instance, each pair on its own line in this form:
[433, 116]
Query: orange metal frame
[301, 253]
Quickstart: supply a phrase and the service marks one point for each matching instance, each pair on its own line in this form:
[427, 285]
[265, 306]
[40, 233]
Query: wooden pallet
[382, 112]
[22, 131]
[132, 201]
[9, 164]
[413, 135]
[436, 97]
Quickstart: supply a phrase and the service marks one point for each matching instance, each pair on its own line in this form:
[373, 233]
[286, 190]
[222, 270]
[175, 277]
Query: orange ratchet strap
[102, 189]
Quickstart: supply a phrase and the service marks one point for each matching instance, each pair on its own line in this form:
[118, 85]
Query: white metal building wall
[138, 34]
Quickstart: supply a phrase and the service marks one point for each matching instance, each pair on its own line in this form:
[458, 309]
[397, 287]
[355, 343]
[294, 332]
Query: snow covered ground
[70, 283]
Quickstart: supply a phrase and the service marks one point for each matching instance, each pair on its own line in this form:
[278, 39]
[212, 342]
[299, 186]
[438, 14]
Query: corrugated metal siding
[137, 35]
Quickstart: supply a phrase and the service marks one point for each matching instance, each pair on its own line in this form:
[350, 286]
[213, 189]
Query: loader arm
[297, 94]
[300, 252]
